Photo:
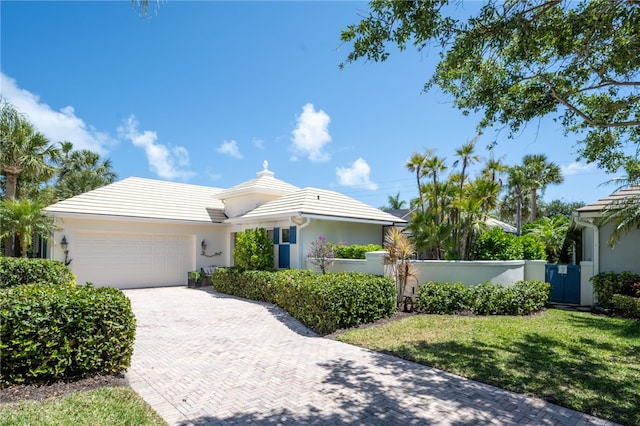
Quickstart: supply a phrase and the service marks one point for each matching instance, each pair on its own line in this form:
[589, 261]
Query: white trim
[62, 215]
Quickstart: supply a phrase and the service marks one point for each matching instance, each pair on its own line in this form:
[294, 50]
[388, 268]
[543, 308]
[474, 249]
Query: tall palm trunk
[534, 204]
[10, 194]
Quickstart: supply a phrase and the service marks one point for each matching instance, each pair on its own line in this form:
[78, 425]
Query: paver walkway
[203, 358]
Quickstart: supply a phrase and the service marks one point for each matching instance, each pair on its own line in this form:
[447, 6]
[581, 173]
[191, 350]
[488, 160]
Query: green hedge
[49, 333]
[523, 298]
[625, 306]
[354, 251]
[323, 302]
[16, 271]
[495, 244]
[607, 284]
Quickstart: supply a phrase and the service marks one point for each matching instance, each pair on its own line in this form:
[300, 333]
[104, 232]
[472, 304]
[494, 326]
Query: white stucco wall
[625, 256]
[216, 237]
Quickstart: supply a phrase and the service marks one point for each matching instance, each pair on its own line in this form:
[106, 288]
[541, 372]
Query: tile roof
[599, 205]
[263, 183]
[147, 198]
[319, 202]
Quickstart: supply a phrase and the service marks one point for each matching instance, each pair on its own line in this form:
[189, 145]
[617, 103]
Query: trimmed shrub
[523, 298]
[15, 271]
[532, 248]
[254, 250]
[606, 284]
[442, 298]
[355, 251]
[495, 244]
[323, 302]
[49, 333]
[625, 306]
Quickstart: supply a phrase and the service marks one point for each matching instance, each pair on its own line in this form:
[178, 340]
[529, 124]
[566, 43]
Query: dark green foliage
[606, 284]
[532, 248]
[442, 298]
[495, 244]
[254, 250]
[523, 298]
[625, 306]
[323, 302]
[16, 271]
[354, 251]
[54, 332]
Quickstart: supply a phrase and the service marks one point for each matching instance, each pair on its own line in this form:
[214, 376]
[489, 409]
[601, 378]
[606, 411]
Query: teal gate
[565, 283]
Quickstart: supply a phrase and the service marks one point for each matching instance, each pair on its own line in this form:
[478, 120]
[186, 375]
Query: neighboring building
[597, 256]
[143, 233]
[625, 256]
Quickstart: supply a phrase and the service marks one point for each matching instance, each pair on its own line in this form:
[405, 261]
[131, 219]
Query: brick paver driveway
[204, 358]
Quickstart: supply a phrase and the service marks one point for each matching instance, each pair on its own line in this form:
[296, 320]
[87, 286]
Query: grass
[100, 407]
[578, 360]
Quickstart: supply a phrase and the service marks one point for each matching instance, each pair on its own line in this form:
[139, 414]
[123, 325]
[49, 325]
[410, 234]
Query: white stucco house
[597, 256]
[142, 232]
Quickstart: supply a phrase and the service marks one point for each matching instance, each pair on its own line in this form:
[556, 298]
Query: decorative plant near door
[400, 251]
[254, 250]
[322, 253]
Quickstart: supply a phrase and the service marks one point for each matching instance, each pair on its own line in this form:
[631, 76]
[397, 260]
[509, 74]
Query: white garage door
[129, 260]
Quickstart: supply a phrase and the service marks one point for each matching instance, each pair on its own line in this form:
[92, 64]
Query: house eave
[123, 218]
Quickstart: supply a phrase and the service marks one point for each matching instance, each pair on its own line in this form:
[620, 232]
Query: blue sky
[204, 92]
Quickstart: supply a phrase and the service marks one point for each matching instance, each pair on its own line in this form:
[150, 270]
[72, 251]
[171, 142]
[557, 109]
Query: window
[285, 235]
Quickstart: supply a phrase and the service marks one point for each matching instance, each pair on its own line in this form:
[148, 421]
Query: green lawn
[108, 406]
[578, 360]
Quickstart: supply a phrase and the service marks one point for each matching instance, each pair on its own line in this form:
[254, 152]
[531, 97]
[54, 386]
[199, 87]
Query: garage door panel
[128, 260]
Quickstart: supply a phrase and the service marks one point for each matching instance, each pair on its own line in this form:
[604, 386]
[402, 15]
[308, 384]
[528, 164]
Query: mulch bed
[394, 317]
[39, 393]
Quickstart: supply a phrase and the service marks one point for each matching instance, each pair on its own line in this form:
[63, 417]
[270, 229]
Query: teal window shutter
[276, 235]
[292, 235]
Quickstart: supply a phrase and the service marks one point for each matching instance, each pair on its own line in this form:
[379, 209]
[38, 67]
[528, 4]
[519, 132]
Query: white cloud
[230, 148]
[311, 134]
[258, 143]
[577, 168]
[165, 161]
[356, 175]
[57, 126]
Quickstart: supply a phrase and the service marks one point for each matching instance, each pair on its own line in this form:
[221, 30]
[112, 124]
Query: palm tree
[432, 167]
[552, 231]
[415, 164]
[493, 169]
[394, 202]
[83, 171]
[24, 218]
[517, 183]
[467, 158]
[24, 153]
[539, 173]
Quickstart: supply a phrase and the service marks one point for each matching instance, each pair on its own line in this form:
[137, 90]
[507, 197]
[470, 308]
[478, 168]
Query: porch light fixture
[65, 247]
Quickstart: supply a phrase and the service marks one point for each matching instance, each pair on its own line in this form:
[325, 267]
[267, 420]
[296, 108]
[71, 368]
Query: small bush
[323, 302]
[16, 271]
[606, 284]
[523, 298]
[355, 251]
[625, 306]
[50, 333]
[442, 298]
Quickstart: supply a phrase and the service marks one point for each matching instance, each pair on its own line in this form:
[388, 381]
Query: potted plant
[194, 279]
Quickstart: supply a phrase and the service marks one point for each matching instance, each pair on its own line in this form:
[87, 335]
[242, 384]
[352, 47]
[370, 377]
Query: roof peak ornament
[265, 170]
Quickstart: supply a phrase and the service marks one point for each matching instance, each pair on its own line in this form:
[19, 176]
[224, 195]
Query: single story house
[597, 256]
[144, 233]
[625, 256]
